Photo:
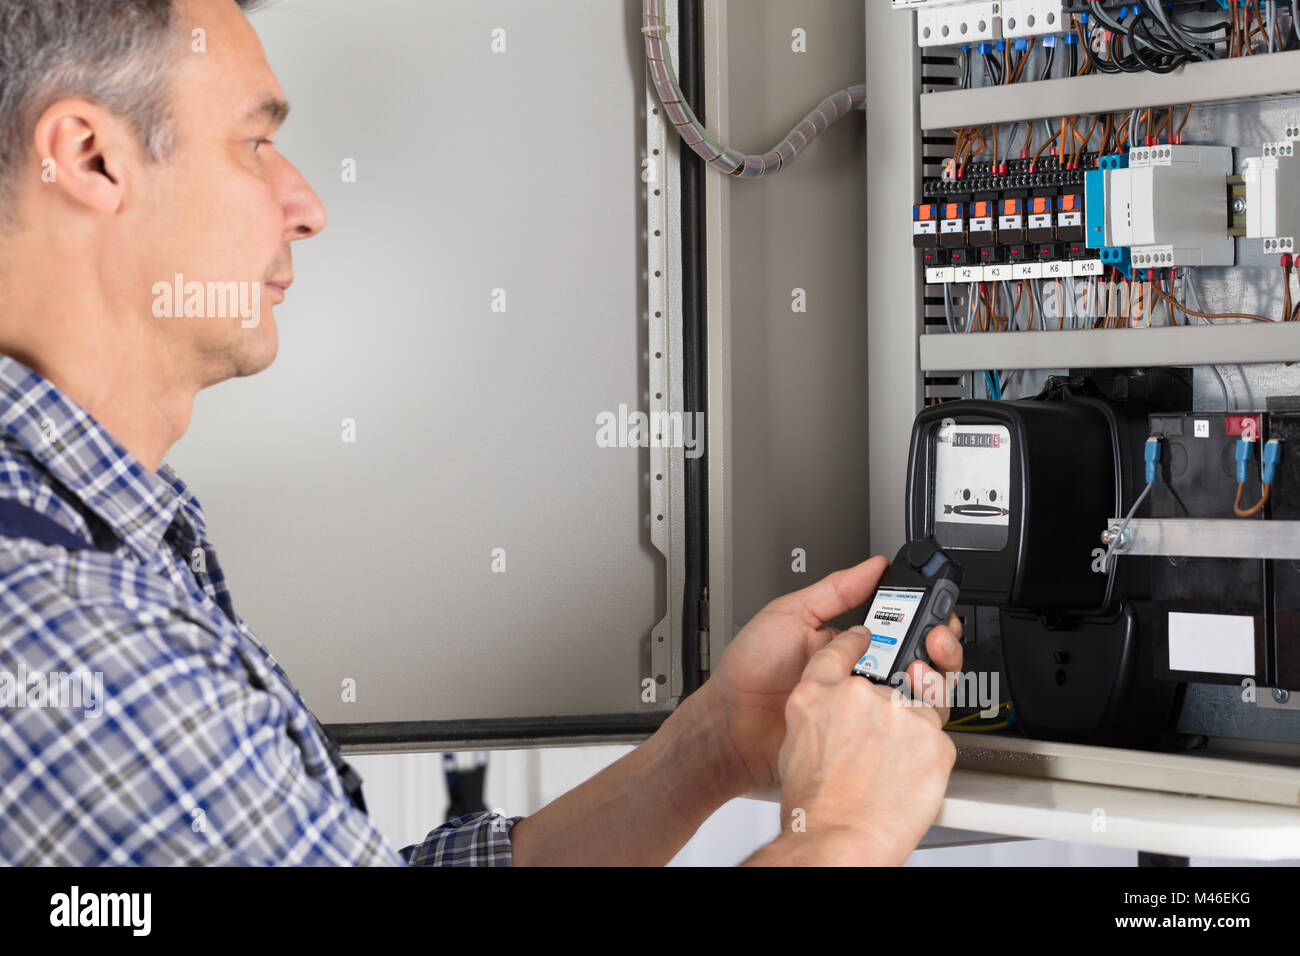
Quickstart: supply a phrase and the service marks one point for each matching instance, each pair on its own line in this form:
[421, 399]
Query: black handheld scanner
[916, 593]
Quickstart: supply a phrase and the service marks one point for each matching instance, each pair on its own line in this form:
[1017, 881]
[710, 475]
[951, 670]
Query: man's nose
[305, 214]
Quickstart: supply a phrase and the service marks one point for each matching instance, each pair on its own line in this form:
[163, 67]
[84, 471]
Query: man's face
[223, 210]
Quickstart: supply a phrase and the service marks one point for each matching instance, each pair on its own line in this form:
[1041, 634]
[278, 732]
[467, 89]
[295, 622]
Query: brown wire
[1249, 512]
[1023, 61]
[1086, 66]
[1041, 149]
[1211, 315]
[1286, 282]
[1087, 139]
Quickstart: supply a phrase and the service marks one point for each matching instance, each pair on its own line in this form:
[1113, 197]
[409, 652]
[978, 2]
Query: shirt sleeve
[475, 839]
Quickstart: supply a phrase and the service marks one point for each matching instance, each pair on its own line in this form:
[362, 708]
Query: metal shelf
[1273, 74]
[1179, 804]
[1235, 344]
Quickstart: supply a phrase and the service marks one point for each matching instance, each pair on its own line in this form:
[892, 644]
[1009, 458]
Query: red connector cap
[1286, 260]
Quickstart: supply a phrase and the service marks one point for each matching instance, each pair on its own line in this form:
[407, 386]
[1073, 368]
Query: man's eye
[258, 142]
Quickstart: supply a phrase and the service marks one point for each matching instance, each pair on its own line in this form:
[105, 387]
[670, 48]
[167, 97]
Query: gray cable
[1114, 542]
[1037, 293]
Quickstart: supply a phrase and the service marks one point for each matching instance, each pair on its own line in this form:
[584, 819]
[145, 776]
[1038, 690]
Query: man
[137, 145]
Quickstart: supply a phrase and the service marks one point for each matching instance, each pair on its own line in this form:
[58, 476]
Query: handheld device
[917, 592]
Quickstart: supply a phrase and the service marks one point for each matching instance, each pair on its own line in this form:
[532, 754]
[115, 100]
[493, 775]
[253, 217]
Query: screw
[1239, 205]
[1125, 540]
[1280, 695]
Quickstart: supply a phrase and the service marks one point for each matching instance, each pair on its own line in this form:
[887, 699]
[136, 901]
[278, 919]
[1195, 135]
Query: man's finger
[944, 649]
[837, 593]
[835, 661]
[821, 637]
[930, 688]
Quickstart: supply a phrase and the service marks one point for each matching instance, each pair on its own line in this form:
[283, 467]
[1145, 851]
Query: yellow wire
[969, 717]
[982, 730]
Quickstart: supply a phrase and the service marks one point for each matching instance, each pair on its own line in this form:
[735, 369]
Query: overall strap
[19, 521]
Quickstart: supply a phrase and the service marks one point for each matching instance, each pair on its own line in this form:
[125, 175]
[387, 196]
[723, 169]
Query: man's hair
[116, 53]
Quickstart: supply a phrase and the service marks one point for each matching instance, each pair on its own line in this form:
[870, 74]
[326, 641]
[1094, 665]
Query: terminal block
[1164, 205]
[1273, 195]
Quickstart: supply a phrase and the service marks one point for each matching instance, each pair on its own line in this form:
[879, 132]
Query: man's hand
[725, 739]
[749, 691]
[864, 768]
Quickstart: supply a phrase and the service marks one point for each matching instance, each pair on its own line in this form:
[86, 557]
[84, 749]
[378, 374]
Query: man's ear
[83, 150]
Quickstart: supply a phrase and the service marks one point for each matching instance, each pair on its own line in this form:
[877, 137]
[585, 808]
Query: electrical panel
[1106, 219]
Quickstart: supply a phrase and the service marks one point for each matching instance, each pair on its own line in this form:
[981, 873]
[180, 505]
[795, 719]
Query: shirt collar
[82, 456]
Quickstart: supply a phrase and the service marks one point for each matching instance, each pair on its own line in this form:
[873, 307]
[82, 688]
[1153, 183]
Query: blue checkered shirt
[196, 748]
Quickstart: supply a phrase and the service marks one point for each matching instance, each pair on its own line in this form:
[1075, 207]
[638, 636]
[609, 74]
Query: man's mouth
[280, 287]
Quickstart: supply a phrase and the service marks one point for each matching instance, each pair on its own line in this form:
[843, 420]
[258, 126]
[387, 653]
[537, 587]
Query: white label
[1212, 643]
[1202, 428]
[929, 228]
[1070, 219]
[970, 273]
[982, 225]
[940, 275]
[1027, 270]
[950, 225]
[997, 273]
[1011, 222]
[1040, 222]
[1088, 267]
[1058, 269]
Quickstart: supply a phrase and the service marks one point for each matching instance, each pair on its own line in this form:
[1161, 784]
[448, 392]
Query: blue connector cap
[1120, 258]
[1021, 44]
[1071, 39]
[1002, 45]
[1152, 456]
[1244, 455]
[1051, 40]
[985, 47]
[1083, 18]
[965, 48]
[1272, 456]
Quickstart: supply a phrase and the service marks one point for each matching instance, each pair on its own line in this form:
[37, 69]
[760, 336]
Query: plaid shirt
[201, 751]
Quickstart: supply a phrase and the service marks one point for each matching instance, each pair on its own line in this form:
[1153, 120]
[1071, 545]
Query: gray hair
[113, 52]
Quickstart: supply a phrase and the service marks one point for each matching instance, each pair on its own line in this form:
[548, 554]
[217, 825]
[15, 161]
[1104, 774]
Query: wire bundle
[733, 162]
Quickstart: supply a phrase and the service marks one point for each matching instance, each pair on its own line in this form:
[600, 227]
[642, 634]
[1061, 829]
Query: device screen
[889, 618]
[972, 487]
